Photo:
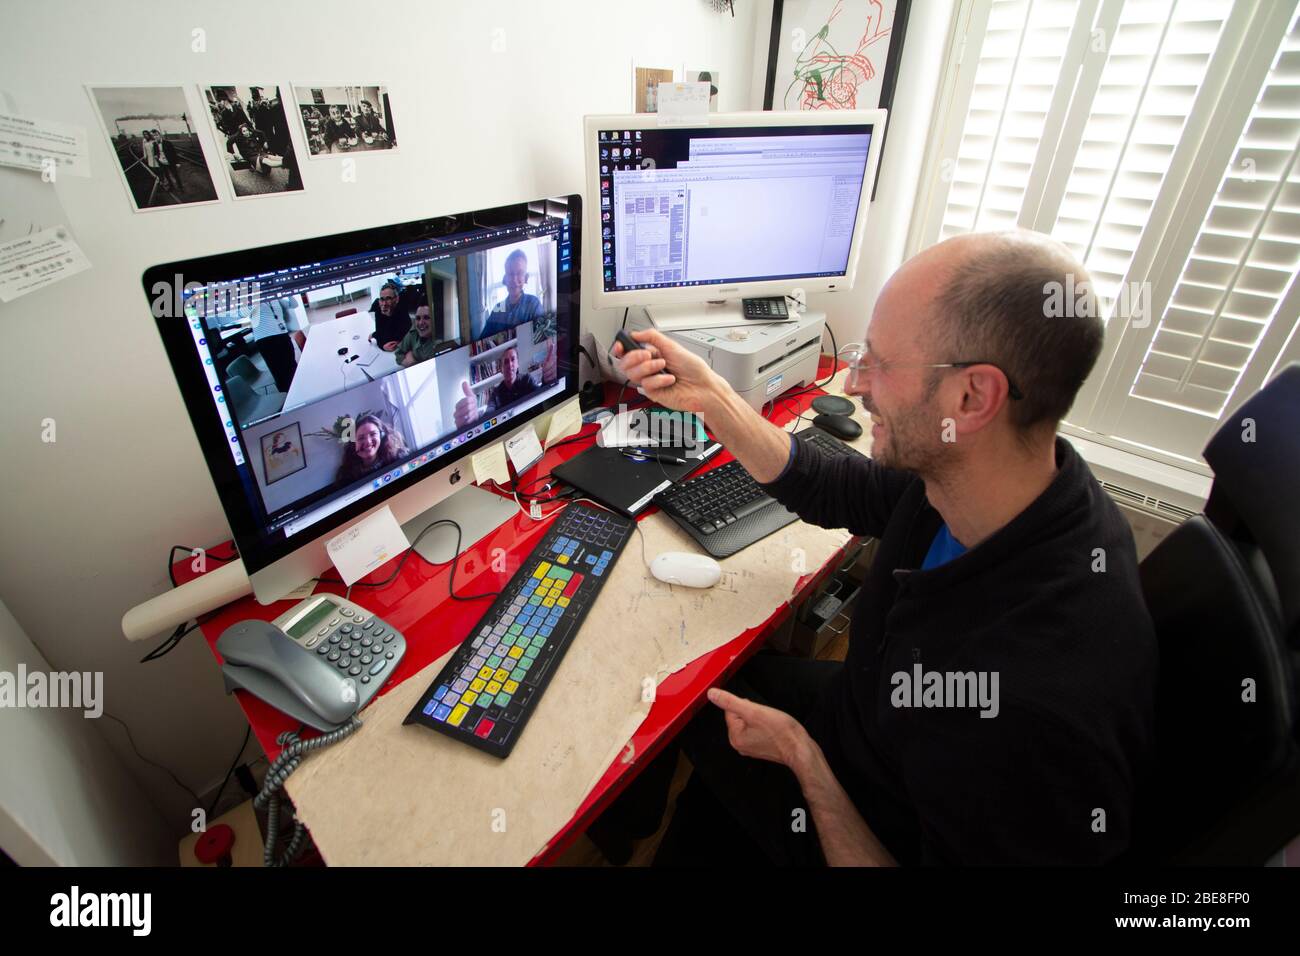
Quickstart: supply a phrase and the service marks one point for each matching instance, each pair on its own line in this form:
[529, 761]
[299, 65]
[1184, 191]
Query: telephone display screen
[312, 619]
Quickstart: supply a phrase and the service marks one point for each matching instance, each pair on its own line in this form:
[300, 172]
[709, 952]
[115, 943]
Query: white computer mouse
[685, 568]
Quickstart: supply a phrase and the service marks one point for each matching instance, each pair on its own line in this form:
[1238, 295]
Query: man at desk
[392, 319]
[512, 387]
[519, 306]
[1003, 568]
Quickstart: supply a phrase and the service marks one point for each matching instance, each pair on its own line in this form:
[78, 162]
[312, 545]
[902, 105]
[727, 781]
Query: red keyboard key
[571, 588]
[484, 727]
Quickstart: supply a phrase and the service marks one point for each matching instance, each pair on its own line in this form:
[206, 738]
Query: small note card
[366, 545]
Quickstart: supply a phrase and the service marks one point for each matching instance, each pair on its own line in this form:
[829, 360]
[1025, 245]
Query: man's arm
[845, 837]
[765, 733]
[833, 491]
[692, 386]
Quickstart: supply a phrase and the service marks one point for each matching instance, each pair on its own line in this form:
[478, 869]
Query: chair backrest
[238, 392]
[1222, 594]
[243, 366]
[339, 315]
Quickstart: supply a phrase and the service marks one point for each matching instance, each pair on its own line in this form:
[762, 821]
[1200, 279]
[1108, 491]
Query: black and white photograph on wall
[345, 119]
[156, 141]
[251, 129]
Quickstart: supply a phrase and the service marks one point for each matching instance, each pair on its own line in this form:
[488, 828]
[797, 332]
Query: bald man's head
[1020, 301]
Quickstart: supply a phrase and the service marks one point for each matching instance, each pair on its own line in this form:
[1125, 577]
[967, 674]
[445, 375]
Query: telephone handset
[319, 662]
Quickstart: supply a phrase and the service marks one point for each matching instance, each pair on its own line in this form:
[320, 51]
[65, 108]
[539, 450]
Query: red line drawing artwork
[824, 78]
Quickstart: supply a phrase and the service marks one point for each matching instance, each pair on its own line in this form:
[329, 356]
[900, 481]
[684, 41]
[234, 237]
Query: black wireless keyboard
[490, 687]
[725, 510]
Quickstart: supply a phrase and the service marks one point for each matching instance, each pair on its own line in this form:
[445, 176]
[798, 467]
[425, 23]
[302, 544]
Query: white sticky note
[490, 465]
[524, 449]
[38, 260]
[366, 545]
[566, 421]
[35, 144]
[683, 103]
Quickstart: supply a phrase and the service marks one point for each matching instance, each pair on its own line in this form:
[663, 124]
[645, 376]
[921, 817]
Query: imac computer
[687, 217]
[327, 377]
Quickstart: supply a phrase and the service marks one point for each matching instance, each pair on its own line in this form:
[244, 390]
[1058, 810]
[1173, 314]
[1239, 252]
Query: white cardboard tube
[221, 586]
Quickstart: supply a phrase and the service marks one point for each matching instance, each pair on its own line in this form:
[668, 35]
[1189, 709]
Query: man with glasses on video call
[996, 703]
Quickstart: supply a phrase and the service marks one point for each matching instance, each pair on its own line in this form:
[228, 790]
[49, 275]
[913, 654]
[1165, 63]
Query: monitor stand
[478, 513]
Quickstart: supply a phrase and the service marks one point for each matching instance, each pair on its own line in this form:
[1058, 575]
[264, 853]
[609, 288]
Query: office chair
[1224, 593]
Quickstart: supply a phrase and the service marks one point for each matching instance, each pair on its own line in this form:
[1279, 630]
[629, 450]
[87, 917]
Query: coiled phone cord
[280, 770]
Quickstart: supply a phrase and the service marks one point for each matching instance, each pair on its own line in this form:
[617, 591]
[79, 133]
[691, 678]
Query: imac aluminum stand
[478, 513]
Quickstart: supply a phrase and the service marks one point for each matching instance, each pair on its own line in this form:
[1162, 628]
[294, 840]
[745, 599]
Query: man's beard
[911, 440]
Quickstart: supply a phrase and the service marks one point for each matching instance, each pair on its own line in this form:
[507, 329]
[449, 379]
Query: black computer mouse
[841, 426]
[832, 405]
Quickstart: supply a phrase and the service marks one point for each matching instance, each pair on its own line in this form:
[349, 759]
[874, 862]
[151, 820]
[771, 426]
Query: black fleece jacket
[1051, 603]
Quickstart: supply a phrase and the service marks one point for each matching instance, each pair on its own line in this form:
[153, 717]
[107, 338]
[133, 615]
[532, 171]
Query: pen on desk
[646, 453]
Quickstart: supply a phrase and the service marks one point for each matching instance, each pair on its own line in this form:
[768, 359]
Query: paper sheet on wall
[459, 806]
[39, 260]
[683, 103]
[43, 146]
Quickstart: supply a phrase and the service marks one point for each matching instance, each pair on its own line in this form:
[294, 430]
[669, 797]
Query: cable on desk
[295, 749]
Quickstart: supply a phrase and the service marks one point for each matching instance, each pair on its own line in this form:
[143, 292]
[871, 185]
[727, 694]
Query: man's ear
[984, 393]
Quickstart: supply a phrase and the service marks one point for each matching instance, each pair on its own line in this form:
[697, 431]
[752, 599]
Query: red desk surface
[416, 603]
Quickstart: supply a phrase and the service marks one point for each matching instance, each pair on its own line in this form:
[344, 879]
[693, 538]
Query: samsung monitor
[329, 376]
[736, 205]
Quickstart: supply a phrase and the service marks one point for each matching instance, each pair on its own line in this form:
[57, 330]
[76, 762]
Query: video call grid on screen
[489, 305]
[671, 199]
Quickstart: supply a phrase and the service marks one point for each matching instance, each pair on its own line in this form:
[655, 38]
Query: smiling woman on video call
[376, 446]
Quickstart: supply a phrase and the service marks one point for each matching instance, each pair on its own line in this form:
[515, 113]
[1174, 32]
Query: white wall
[65, 797]
[88, 519]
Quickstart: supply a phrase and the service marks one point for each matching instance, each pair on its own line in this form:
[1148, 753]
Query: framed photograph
[251, 129]
[834, 54]
[645, 87]
[282, 452]
[156, 142]
[345, 119]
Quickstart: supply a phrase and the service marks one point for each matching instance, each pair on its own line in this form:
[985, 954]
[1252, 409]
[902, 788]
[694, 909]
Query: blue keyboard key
[598, 570]
[530, 630]
[591, 559]
[545, 631]
[605, 556]
[441, 713]
[442, 689]
[428, 708]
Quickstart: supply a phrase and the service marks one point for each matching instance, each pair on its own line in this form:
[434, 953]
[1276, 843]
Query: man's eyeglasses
[388, 298]
[860, 362]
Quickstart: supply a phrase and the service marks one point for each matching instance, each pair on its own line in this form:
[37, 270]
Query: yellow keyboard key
[500, 676]
[515, 652]
[511, 686]
[477, 684]
[542, 569]
[457, 715]
[468, 697]
[493, 687]
[485, 672]
[562, 601]
[563, 559]
[548, 602]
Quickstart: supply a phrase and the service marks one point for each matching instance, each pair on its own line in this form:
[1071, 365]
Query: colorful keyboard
[491, 685]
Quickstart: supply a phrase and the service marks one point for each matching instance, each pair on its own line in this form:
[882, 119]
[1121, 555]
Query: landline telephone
[320, 662]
